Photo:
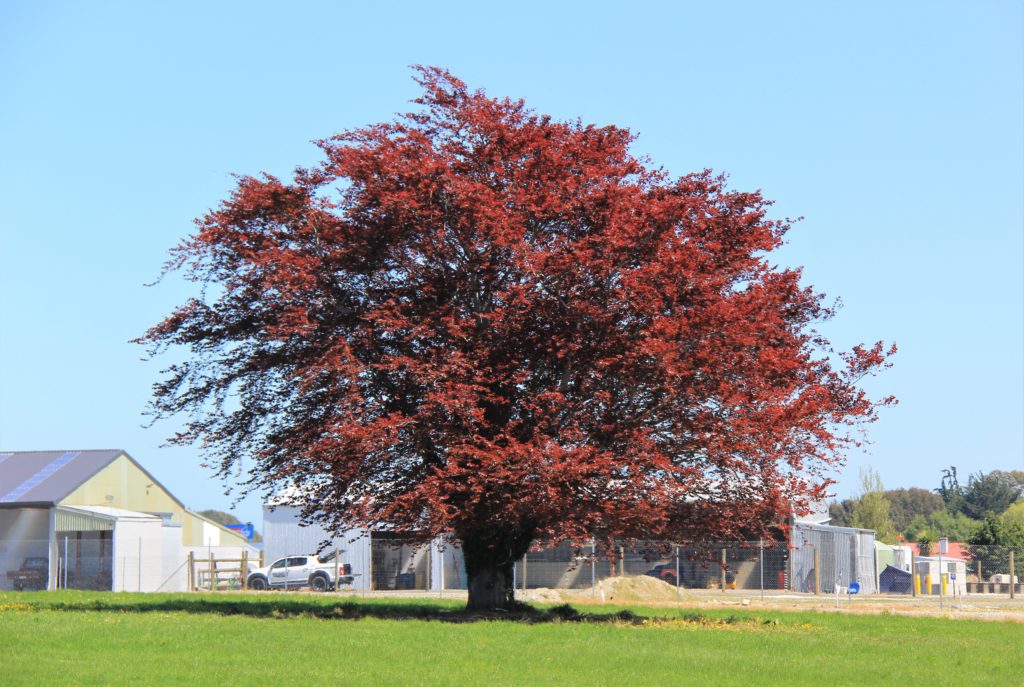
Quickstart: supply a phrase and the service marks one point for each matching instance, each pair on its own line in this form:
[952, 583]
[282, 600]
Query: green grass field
[70, 638]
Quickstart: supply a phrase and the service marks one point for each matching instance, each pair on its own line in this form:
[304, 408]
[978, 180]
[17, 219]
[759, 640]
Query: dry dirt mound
[636, 588]
[630, 588]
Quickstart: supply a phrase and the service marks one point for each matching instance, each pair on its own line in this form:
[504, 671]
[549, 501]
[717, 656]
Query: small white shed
[929, 568]
[144, 552]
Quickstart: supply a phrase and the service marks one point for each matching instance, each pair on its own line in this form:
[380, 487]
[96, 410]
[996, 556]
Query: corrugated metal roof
[80, 520]
[46, 477]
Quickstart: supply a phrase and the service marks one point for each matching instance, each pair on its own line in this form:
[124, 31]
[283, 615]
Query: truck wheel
[319, 583]
[258, 584]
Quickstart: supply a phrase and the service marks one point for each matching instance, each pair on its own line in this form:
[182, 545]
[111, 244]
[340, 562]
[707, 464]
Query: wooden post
[243, 570]
[622, 561]
[791, 585]
[979, 572]
[191, 571]
[817, 571]
[210, 574]
[677, 573]
[524, 571]
[721, 571]
[1013, 579]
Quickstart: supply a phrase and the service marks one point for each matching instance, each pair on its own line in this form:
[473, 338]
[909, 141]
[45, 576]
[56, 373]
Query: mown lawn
[74, 638]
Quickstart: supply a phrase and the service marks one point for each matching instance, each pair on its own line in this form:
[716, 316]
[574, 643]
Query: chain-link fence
[813, 561]
[749, 565]
[745, 565]
[817, 560]
[992, 569]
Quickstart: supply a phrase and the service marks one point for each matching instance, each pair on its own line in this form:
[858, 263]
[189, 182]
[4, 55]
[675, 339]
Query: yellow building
[95, 520]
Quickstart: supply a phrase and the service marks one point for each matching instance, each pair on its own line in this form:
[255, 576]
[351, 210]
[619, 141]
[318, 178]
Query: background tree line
[986, 511]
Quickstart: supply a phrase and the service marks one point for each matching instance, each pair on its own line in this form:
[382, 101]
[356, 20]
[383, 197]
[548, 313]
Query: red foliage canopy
[476, 320]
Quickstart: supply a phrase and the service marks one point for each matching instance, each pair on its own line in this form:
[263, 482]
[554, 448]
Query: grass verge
[76, 638]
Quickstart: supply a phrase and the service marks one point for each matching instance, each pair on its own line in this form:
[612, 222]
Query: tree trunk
[490, 589]
[490, 557]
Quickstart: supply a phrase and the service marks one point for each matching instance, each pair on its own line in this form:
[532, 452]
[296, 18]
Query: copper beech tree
[479, 323]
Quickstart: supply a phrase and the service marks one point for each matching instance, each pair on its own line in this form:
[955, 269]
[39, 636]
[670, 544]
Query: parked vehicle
[666, 572]
[32, 574]
[295, 572]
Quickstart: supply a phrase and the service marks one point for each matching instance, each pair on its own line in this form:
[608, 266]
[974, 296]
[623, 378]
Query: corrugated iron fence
[823, 558]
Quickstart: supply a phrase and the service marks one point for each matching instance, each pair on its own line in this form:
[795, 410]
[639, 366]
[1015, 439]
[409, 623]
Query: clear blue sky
[895, 129]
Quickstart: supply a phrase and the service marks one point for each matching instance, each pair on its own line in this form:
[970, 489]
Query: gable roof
[43, 478]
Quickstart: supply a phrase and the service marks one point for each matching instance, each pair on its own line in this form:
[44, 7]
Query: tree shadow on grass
[347, 609]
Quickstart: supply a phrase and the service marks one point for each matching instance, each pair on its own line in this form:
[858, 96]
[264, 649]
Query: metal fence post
[760, 553]
[593, 570]
[721, 572]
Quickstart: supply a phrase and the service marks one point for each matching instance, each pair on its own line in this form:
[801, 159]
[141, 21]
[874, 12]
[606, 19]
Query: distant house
[100, 520]
[958, 550]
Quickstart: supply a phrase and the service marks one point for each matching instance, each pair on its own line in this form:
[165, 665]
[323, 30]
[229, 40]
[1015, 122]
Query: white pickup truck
[293, 572]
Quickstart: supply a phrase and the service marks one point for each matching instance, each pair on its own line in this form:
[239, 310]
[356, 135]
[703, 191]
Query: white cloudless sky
[895, 129]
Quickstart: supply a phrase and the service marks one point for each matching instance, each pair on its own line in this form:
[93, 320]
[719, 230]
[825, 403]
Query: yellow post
[943, 577]
[913, 573]
[928, 583]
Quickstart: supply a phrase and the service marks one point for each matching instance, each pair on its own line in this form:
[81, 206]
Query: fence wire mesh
[745, 565]
[811, 562]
